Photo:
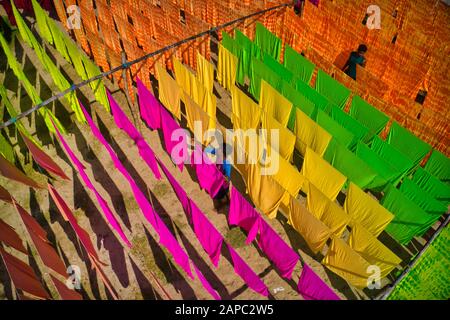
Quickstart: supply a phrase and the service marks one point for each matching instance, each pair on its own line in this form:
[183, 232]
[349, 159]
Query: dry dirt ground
[133, 272]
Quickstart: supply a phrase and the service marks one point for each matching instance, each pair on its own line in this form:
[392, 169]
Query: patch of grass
[160, 189]
[140, 250]
[236, 238]
[130, 203]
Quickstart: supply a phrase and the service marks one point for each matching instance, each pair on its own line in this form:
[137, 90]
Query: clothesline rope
[128, 64]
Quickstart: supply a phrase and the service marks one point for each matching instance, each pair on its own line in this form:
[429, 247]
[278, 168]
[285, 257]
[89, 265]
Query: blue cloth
[225, 167]
[352, 61]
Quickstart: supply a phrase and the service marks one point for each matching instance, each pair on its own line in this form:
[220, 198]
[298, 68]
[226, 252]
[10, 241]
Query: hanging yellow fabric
[226, 68]
[321, 174]
[246, 114]
[169, 92]
[275, 104]
[283, 141]
[367, 211]
[347, 263]
[205, 72]
[182, 76]
[327, 211]
[210, 106]
[310, 228]
[264, 191]
[372, 250]
[310, 134]
[197, 119]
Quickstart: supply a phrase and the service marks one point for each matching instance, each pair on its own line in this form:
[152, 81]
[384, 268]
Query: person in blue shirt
[356, 57]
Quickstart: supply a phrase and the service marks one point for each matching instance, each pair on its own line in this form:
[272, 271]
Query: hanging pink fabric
[278, 251]
[64, 292]
[254, 230]
[209, 176]
[206, 284]
[241, 212]
[10, 237]
[247, 274]
[169, 125]
[149, 107]
[181, 194]
[125, 124]
[206, 233]
[166, 238]
[42, 158]
[104, 206]
[312, 287]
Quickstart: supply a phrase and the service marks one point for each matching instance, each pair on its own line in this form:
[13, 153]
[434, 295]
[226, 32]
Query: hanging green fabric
[97, 86]
[301, 67]
[342, 135]
[428, 277]
[278, 68]
[347, 163]
[432, 185]
[423, 199]
[359, 130]
[369, 116]
[409, 221]
[241, 53]
[260, 71]
[267, 41]
[335, 91]
[31, 91]
[249, 50]
[41, 20]
[395, 158]
[407, 143]
[299, 101]
[320, 101]
[438, 165]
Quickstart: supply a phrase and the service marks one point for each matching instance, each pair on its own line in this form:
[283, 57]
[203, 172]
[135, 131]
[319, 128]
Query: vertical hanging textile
[149, 107]
[23, 276]
[183, 76]
[240, 52]
[249, 49]
[179, 191]
[6, 149]
[206, 284]
[322, 175]
[284, 143]
[432, 185]
[310, 135]
[169, 92]
[247, 274]
[299, 101]
[258, 72]
[428, 277]
[264, 191]
[310, 228]
[407, 143]
[10, 237]
[409, 219]
[226, 68]
[5, 195]
[312, 287]
[267, 41]
[347, 263]
[298, 64]
[336, 92]
[339, 133]
[275, 104]
[320, 101]
[41, 20]
[327, 211]
[373, 250]
[420, 197]
[195, 115]
[64, 292]
[205, 72]
[438, 165]
[241, 212]
[102, 203]
[122, 121]
[368, 116]
[278, 68]
[9, 171]
[246, 114]
[358, 130]
[350, 165]
[365, 210]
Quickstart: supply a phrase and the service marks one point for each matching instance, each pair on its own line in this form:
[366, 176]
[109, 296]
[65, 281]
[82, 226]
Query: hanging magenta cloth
[148, 105]
[312, 287]
[64, 291]
[10, 237]
[125, 124]
[176, 148]
[241, 212]
[278, 251]
[247, 274]
[42, 158]
[104, 206]
[209, 176]
[206, 233]
[206, 284]
[181, 194]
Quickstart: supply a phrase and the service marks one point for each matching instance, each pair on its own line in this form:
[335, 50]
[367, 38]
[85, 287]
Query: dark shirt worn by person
[352, 61]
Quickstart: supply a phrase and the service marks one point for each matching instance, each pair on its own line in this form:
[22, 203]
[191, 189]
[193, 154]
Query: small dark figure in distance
[356, 57]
